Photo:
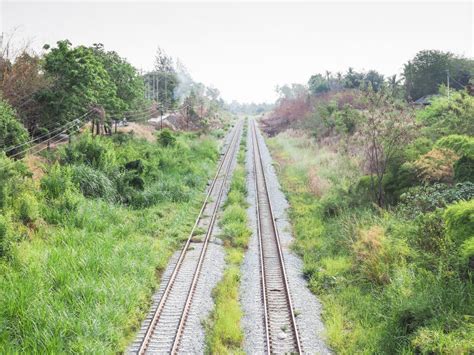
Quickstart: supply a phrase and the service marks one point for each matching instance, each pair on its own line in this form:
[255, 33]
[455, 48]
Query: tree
[12, 132]
[394, 86]
[429, 69]
[128, 82]
[80, 83]
[167, 79]
[318, 84]
[375, 79]
[387, 127]
[353, 79]
[21, 78]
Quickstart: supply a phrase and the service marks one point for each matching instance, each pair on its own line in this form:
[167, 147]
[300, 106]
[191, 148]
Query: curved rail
[227, 162]
[273, 276]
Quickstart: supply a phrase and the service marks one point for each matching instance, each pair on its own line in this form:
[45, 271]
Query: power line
[64, 127]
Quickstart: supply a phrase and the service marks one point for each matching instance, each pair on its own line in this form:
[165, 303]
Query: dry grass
[140, 130]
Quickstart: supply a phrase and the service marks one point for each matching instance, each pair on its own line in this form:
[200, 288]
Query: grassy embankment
[224, 334]
[81, 250]
[389, 283]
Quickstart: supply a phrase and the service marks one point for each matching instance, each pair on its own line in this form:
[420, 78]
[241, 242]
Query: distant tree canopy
[320, 84]
[429, 69]
[163, 81]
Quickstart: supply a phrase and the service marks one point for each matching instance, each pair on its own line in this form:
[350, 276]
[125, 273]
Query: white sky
[246, 48]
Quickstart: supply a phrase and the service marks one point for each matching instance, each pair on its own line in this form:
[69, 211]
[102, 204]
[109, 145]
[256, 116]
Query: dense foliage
[12, 132]
[430, 68]
[381, 194]
[80, 247]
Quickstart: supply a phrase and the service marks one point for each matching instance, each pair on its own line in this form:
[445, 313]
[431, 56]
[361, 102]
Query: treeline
[421, 76]
[43, 96]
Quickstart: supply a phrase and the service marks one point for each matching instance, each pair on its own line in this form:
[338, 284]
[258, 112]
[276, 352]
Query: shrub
[234, 213]
[436, 166]
[27, 208]
[375, 254]
[418, 147]
[12, 132]
[93, 183]
[4, 236]
[11, 177]
[431, 236]
[334, 203]
[467, 252]
[464, 169]
[460, 221]
[166, 138]
[462, 145]
[422, 199]
[451, 115]
[236, 233]
[97, 152]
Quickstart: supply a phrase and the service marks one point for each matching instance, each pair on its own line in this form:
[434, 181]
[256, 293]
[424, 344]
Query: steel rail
[197, 272]
[164, 297]
[257, 155]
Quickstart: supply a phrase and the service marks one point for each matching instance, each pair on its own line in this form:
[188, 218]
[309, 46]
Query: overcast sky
[246, 48]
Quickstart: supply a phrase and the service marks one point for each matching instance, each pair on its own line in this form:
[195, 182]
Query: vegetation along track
[168, 318]
[281, 332]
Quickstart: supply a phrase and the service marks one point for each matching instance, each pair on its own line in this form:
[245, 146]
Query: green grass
[380, 292]
[223, 332]
[79, 277]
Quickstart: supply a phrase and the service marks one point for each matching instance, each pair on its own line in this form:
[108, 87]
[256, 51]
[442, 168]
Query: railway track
[281, 332]
[167, 320]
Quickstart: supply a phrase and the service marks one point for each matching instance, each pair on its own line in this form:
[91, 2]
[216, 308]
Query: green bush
[460, 221]
[417, 148]
[12, 132]
[27, 208]
[464, 169]
[93, 183]
[427, 198]
[449, 115]
[4, 236]
[334, 203]
[462, 145]
[467, 252]
[166, 138]
[431, 236]
[97, 152]
[234, 213]
[12, 174]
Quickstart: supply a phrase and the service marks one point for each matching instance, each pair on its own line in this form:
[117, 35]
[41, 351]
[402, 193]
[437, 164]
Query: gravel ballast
[193, 337]
[306, 305]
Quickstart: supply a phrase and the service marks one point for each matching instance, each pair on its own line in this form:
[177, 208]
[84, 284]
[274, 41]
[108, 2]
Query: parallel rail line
[164, 332]
[281, 332]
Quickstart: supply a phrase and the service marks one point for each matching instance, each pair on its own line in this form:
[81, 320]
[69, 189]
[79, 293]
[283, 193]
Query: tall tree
[429, 69]
[318, 84]
[375, 79]
[80, 83]
[127, 80]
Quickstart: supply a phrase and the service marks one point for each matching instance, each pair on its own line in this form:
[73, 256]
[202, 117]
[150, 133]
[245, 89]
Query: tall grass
[81, 267]
[381, 291]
